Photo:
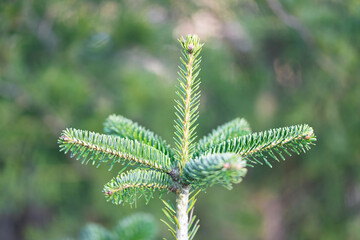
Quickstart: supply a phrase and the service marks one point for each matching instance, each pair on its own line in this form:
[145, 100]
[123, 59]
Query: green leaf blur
[72, 63]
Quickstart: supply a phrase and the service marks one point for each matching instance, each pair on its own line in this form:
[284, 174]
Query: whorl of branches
[218, 158]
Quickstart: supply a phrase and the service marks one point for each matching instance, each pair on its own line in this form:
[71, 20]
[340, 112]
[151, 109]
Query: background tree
[73, 63]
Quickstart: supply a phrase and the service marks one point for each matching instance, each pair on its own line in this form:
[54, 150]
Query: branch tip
[191, 48]
[308, 137]
[65, 138]
[226, 165]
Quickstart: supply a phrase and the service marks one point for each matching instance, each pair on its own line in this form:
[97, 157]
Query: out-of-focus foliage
[72, 63]
[135, 227]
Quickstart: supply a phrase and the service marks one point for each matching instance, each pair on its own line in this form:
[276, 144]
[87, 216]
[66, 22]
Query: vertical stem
[182, 200]
[186, 112]
[186, 129]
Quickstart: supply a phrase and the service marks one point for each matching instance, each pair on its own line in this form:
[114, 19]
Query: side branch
[100, 148]
[272, 143]
[233, 129]
[125, 128]
[223, 169]
[128, 187]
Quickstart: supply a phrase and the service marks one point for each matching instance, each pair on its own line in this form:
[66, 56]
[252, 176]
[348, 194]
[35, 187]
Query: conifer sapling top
[187, 168]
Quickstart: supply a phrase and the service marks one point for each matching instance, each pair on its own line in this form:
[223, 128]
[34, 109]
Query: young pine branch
[220, 158]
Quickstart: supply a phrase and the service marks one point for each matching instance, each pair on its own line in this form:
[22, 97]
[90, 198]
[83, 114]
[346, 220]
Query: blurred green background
[72, 63]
